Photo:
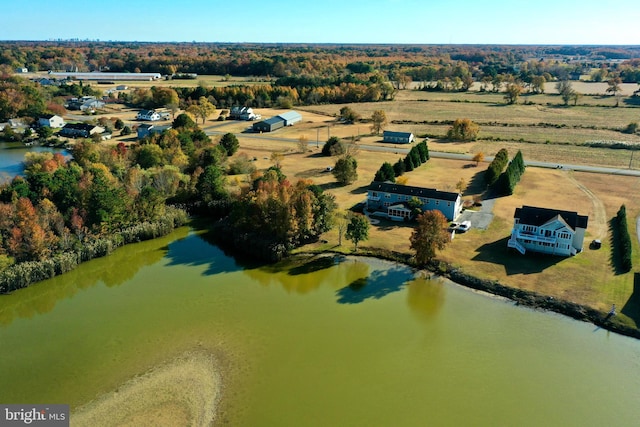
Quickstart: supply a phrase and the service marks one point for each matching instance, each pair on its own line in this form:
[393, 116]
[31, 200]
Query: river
[338, 341]
[12, 155]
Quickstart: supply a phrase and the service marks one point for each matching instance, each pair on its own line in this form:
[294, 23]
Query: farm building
[269, 125]
[391, 200]
[397, 137]
[106, 76]
[51, 120]
[548, 231]
[145, 130]
[290, 117]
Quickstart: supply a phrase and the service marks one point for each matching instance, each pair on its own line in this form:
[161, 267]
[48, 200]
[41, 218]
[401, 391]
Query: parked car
[453, 226]
[464, 226]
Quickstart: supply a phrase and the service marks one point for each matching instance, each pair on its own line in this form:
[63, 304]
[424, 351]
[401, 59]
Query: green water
[340, 342]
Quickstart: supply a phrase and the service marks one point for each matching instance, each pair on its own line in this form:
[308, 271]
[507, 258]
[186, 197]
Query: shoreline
[519, 296]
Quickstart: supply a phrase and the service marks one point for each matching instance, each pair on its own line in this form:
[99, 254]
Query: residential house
[269, 125]
[148, 115]
[51, 120]
[22, 70]
[145, 130]
[290, 117]
[80, 130]
[397, 137]
[391, 200]
[548, 231]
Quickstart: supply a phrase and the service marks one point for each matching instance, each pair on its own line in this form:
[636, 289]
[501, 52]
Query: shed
[290, 117]
[397, 137]
[269, 125]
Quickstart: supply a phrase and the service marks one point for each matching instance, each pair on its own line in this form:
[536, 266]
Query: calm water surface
[12, 154]
[332, 342]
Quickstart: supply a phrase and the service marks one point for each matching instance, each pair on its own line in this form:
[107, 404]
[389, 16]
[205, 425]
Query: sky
[589, 22]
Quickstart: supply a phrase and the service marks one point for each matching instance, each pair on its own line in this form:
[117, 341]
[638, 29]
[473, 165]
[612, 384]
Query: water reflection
[425, 298]
[378, 284]
[113, 270]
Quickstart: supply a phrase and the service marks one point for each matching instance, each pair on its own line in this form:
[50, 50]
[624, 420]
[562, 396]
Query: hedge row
[25, 273]
[496, 166]
[418, 155]
[508, 180]
[622, 240]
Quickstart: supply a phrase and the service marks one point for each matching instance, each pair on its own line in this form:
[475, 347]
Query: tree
[303, 143]
[203, 109]
[385, 173]
[347, 115]
[512, 93]
[378, 120]
[614, 85]
[357, 229]
[461, 185]
[478, 157]
[345, 170]
[463, 130]
[333, 147]
[537, 84]
[565, 89]
[230, 143]
[430, 235]
[126, 131]
[119, 124]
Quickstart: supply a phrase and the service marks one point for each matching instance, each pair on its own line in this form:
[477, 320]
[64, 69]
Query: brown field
[588, 278]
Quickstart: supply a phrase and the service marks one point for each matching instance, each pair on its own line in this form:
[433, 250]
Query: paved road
[454, 156]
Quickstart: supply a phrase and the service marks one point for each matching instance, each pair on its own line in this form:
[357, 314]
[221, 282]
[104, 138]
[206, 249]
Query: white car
[464, 226]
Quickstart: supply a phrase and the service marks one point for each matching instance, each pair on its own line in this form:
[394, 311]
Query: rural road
[454, 156]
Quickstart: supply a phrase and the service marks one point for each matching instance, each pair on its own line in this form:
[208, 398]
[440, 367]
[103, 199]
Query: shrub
[622, 240]
[333, 147]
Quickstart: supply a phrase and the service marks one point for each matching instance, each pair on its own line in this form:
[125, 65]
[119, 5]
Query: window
[448, 203]
[387, 195]
[374, 194]
[387, 204]
[437, 202]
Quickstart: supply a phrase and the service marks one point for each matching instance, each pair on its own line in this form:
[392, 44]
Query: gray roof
[290, 115]
[397, 134]
[407, 190]
[531, 215]
[273, 120]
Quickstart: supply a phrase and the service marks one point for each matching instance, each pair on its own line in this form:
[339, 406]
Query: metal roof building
[106, 76]
[290, 117]
[397, 137]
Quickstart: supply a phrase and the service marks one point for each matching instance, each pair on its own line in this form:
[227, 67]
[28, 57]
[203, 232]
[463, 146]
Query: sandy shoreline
[183, 391]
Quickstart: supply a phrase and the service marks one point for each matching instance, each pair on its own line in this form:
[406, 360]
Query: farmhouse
[397, 137]
[391, 200]
[243, 113]
[51, 120]
[148, 115]
[82, 130]
[548, 231]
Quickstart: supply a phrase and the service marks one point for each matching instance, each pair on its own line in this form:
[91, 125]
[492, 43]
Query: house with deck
[390, 200]
[80, 130]
[397, 137]
[548, 231]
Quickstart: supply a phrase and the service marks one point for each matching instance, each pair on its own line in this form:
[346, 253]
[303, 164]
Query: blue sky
[328, 21]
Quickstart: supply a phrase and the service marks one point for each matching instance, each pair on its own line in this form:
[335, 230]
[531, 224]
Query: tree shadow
[360, 190]
[631, 308]
[316, 264]
[476, 185]
[632, 100]
[514, 263]
[377, 285]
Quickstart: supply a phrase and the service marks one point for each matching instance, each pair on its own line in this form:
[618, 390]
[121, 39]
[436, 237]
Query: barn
[269, 125]
[290, 117]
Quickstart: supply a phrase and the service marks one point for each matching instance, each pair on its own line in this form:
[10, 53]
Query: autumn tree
[429, 235]
[614, 85]
[463, 130]
[348, 115]
[303, 144]
[478, 157]
[333, 147]
[512, 93]
[357, 229]
[203, 109]
[345, 170]
[565, 89]
[378, 121]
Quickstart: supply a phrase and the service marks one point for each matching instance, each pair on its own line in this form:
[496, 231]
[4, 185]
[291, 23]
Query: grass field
[588, 278]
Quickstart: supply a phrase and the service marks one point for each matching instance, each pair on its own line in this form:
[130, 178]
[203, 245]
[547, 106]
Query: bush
[631, 128]
[333, 147]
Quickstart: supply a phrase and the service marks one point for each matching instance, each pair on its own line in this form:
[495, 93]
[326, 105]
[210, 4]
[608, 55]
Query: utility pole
[631, 160]
[317, 137]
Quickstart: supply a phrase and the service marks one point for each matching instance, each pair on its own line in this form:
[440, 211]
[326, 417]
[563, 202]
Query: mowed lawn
[588, 278]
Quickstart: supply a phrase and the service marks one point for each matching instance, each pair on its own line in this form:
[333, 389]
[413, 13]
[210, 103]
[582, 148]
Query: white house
[51, 120]
[148, 115]
[548, 231]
